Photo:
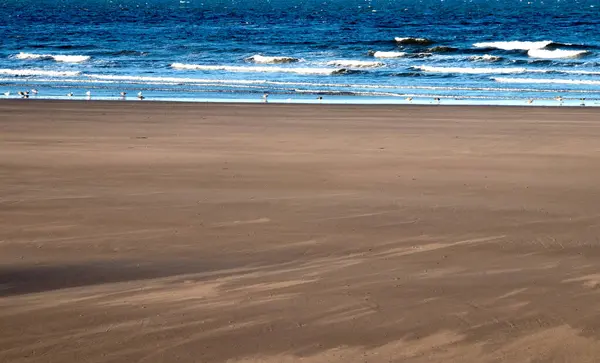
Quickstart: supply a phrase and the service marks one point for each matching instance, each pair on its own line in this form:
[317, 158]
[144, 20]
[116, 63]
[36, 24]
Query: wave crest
[379, 54]
[355, 64]
[415, 41]
[258, 69]
[555, 54]
[545, 81]
[55, 57]
[442, 49]
[257, 58]
[514, 45]
[37, 72]
[468, 70]
[485, 58]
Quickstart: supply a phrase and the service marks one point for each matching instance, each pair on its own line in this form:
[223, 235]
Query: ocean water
[337, 51]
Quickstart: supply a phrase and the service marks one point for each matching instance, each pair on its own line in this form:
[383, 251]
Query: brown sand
[157, 232]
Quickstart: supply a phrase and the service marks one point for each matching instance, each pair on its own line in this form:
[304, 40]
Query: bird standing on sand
[34, 91]
[409, 99]
[140, 95]
[582, 102]
[123, 94]
[88, 94]
[24, 94]
[70, 94]
[437, 100]
[320, 98]
[265, 97]
[530, 101]
[7, 93]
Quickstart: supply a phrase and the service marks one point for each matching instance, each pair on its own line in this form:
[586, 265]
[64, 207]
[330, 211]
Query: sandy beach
[181, 232]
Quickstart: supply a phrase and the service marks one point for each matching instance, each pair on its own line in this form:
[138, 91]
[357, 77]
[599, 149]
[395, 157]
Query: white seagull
[70, 94]
[7, 93]
[34, 91]
[140, 95]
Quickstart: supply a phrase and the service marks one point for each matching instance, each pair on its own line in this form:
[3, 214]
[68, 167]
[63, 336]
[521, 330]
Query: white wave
[37, 72]
[554, 54]
[410, 40]
[201, 67]
[545, 81]
[582, 72]
[485, 58]
[467, 70]
[355, 64]
[261, 59]
[514, 45]
[56, 57]
[389, 54]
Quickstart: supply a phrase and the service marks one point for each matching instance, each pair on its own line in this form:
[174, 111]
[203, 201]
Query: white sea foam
[485, 58]
[555, 54]
[37, 72]
[468, 70]
[545, 81]
[261, 59]
[355, 64]
[389, 54]
[514, 45]
[201, 67]
[55, 57]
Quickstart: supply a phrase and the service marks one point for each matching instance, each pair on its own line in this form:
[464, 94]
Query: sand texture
[161, 232]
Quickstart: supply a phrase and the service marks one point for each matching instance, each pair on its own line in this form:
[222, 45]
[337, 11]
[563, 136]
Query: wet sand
[160, 232]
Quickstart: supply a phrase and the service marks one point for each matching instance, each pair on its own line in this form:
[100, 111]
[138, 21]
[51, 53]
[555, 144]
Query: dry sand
[158, 232]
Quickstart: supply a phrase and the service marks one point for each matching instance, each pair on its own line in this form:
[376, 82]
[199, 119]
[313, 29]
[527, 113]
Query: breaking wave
[468, 70]
[257, 58]
[37, 72]
[355, 64]
[415, 41]
[546, 81]
[556, 54]
[55, 57]
[388, 54]
[514, 45]
[485, 58]
[258, 69]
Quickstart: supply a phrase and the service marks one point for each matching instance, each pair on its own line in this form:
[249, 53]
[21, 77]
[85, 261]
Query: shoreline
[549, 104]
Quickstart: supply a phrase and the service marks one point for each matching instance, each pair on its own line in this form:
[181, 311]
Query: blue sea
[331, 51]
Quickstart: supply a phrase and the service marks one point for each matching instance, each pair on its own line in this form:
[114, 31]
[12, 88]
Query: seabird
[409, 99]
[140, 95]
[123, 94]
[437, 100]
[70, 94]
[582, 102]
[7, 93]
[320, 98]
[265, 97]
[34, 91]
[530, 101]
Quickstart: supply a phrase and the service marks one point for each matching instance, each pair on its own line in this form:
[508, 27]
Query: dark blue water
[340, 50]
